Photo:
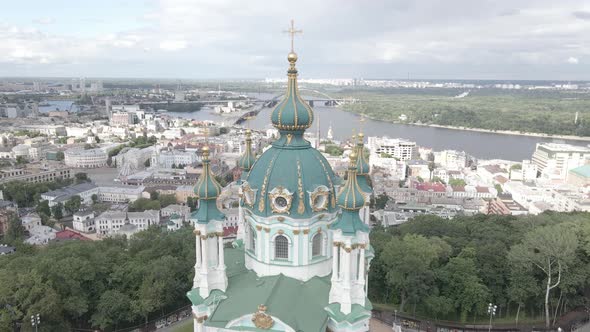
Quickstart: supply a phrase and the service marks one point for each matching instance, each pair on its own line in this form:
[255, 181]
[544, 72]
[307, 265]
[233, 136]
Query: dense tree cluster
[550, 112]
[27, 194]
[155, 202]
[534, 266]
[106, 284]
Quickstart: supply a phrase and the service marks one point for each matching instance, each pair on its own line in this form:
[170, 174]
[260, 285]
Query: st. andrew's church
[302, 255]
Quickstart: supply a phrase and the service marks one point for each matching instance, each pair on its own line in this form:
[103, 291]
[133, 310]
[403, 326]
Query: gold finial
[205, 151]
[292, 31]
[353, 157]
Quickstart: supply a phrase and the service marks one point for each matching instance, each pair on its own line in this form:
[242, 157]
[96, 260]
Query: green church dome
[207, 187]
[292, 113]
[362, 162]
[351, 199]
[291, 178]
[351, 196]
[247, 159]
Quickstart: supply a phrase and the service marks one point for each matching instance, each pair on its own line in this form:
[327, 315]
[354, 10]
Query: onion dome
[362, 165]
[292, 113]
[247, 159]
[207, 191]
[291, 177]
[207, 187]
[362, 162]
[351, 199]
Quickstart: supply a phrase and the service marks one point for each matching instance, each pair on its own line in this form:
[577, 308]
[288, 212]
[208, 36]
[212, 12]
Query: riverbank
[481, 130]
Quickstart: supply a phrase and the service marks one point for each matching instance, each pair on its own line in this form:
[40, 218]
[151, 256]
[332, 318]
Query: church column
[204, 262]
[296, 245]
[334, 262]
[198, 251]
[267, 245]
[221, 259]
[346, 267]
[305, 241]
[259, 243]
[361, 276]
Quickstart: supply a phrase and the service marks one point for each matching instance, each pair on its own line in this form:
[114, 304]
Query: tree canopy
[534, 266]
[106, 284]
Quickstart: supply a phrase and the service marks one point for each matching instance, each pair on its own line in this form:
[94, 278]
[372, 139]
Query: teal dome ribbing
[207, 187]
[292, 113]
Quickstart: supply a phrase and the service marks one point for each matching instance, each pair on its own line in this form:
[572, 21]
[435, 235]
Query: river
[478, 144]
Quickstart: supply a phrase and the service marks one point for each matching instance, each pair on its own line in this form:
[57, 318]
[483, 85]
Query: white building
[84, 190]
[398, 148]
[451, 159]
[85, 158]
[83, 221]
[527, 172]
[182, 211]
[169, 158]
[110, 222]
[49, 130]
[121, 119]
[554, 160]
[120, 194]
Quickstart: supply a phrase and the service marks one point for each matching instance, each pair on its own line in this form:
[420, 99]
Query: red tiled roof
[500, 178]
[230, 231]
[482, 189]
[70, 235]
[428, 186]
[458, 188]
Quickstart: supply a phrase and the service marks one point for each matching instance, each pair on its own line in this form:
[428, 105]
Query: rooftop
[583, 171]
[287, 299]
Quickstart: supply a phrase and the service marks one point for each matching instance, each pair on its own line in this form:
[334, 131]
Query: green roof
[207, 211]
[207, 187]
[290, 159]
[351, 196]
[349, 222]
[362, 162]
[301, 305]
[357, 312]
[364, 183]
[583, 171]
[247, 159]
[292, 113]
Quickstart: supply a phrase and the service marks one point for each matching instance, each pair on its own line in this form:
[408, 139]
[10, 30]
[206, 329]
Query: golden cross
[292, 32]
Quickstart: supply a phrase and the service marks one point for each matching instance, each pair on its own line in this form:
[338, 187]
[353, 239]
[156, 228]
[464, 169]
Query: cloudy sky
[488, 39]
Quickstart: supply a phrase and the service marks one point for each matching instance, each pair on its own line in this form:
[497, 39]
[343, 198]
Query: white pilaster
[334, 262]
[267, 253]
[221, 259]
[259, 244]
[296, 244]
[362, 266]
[305, 240]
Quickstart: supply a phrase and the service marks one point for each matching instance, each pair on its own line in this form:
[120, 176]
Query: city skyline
[212, 39]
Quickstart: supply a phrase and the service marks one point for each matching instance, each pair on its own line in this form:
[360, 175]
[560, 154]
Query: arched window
[281, 247]
[252, 239]
[316, 245]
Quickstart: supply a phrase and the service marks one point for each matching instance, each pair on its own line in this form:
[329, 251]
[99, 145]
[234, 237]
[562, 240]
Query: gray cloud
[342, 38]
[581, 14]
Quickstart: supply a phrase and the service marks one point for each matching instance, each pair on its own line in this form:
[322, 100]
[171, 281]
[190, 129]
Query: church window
[316, 245]
[281, 247]
[281, 202]
[252, 239]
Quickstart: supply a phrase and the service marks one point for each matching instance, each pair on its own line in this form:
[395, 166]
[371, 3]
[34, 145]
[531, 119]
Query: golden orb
[205, 149]
[292, 57]
[353, 156]
[361, 135]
